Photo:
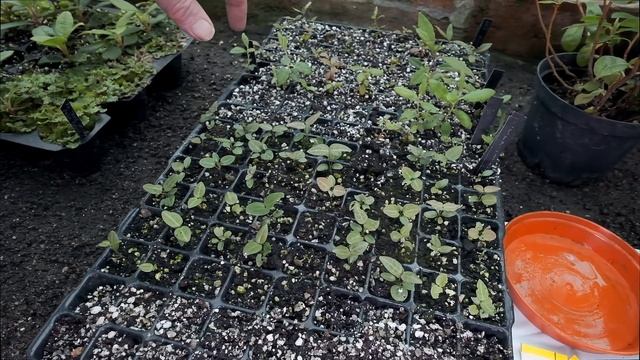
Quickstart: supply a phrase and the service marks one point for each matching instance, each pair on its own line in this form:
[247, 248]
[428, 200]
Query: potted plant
[585, 115]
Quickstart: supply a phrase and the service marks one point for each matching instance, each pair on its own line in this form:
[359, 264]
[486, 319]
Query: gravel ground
[56, 208]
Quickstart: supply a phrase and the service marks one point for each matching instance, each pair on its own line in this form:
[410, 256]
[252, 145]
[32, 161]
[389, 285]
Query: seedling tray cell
[213, 302]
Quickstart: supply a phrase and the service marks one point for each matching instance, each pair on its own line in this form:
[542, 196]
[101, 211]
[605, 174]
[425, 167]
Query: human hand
[193, 20]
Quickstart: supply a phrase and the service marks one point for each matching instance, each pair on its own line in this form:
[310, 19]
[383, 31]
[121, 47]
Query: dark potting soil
[51, 206]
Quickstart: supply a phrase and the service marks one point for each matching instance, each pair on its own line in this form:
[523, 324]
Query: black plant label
[509, 131]
[494, 79]
[73, 119]
[487, 118]
[483, 29]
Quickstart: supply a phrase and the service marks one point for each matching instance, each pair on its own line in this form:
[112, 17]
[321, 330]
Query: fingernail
[203, 30]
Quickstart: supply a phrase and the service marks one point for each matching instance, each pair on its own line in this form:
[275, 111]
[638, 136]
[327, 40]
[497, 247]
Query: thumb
[190, 17]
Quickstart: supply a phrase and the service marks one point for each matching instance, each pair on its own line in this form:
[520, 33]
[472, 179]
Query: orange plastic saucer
[575, 280]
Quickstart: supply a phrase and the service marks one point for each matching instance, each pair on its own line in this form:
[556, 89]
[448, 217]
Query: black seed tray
[194, 342]
[168, 70]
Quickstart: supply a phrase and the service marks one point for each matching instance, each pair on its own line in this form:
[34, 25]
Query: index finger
[190, 17]
[237, 14]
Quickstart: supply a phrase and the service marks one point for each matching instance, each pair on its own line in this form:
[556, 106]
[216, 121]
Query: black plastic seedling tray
[168, 71]
[210, 313]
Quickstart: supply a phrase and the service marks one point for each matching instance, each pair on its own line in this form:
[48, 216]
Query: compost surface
[56, 209]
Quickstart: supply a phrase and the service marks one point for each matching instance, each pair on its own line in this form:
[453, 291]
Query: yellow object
[530, 352]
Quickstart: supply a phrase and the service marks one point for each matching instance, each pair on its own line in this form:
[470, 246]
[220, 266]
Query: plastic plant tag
[73, 119]
[483, 29]
[530, 352]
[487, 118]
[494, 79]
[507, 133]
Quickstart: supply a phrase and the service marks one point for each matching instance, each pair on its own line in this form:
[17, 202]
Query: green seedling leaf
[392, 265]
[183, 234]
[251, 248]
[256, 209]
[411, 278]
[272, 199]
[199, 190]
[152, 189]
[388, 277]
[227, 160]
[406, 93]
[326, 183]
[463, 118]
[454, 153]
[147, 267]
[231, 198]
[398, 293]
[480, 95]
[392, 210]
[342, 252]
[172, 219]
[193, 202]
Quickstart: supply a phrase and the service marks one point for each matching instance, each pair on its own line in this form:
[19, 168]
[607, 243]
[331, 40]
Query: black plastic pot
[568, 145]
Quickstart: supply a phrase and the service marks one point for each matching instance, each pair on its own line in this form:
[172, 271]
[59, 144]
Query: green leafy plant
[487, 195]
[112, 242]
[439, 186]
[167, 190]
[451, 155]
[406, 214]
[58, 35]
[607, 81]
[437, 287]
[181, 232]
[375, 18]
[482, 303]
[441, 211]
[361, 234]
[147, 267]
[403, 281]
[249, 179]
[5, 54]
[352, 252]
[297, 156]
[288, 72]
[328, 184]
[215, 161]
[121, 35]
[147, 17]
[362, 201]
[260, 150]
[180, 166]
[364, 77]
[248, 49]
[231, 145]
[259, 246]
[231, 199]
[426, 33]
[481, 232]
[246, 130]
[332, 153]
[437, 248]
[220, 236]
[267, 207]
[197, 197]
[411, 178]
[304, 126]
